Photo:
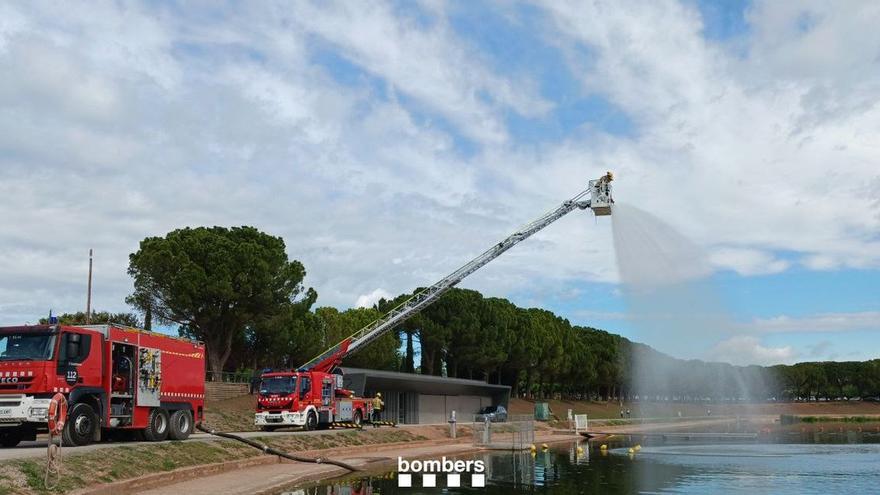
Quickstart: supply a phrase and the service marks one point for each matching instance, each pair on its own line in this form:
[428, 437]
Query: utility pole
[89, 296]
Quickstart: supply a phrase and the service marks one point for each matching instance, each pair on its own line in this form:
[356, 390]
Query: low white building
[425, 399]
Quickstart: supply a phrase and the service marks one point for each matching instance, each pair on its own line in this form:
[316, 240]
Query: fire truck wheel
[358, 418]
[312, 421]
[157, 426]
[181, 425]
[10, 438]
[80, 426]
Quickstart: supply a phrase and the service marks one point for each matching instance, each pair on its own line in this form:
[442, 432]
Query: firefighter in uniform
[378, 405]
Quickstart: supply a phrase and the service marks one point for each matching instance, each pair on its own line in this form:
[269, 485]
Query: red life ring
[57, 414]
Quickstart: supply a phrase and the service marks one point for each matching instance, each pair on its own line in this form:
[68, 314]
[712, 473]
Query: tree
[287, 339]
[215, 282]
[380, 354]
[405, 331]
[98, 317]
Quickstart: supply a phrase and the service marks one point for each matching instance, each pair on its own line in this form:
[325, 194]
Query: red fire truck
[313, 395]
[309, 400]
[113, 377]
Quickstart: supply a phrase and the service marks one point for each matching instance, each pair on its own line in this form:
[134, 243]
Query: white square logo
[478, 480]
[404, 480]
[429, 480]
[453, 480]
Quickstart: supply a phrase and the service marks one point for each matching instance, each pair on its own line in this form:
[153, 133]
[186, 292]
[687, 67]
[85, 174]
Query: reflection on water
[726, 468]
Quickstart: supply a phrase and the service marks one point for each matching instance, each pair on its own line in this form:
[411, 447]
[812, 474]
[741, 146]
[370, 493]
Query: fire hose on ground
[269, 450]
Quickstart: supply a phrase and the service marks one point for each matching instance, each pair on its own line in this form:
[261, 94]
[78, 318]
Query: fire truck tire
[312, 421]
[180, 425]
[157, 426]
[80, 426]
[10, 438]
[358, 417]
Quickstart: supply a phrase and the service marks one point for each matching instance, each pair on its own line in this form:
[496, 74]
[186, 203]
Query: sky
[390, 142]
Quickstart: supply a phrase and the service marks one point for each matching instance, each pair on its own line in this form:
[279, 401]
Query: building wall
[432, 408]
[411, 399]
[438, 408]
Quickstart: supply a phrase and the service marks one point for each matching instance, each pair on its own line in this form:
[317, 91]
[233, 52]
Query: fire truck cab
[113, 377]
[310, 400]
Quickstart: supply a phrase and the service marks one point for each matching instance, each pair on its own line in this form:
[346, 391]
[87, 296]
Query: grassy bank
[611, 410]
[787, 419]
[25, 476]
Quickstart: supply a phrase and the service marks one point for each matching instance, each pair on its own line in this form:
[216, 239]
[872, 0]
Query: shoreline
[178, 463]
[266, 475]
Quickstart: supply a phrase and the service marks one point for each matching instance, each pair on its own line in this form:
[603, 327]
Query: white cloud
[368, 300]
[745, 350]
[826, 322]
[726, 152]
[748, 261]
[425, 60]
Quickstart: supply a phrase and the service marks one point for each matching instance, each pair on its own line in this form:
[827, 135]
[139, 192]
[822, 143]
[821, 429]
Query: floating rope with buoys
[57, 415]
[271, 451]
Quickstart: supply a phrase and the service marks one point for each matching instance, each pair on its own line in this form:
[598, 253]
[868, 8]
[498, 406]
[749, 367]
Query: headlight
[38, 412]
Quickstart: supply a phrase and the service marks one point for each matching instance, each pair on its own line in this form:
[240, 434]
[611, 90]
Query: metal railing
[228, 376]
[516, 432]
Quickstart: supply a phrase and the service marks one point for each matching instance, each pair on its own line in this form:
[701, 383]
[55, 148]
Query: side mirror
[73, 345]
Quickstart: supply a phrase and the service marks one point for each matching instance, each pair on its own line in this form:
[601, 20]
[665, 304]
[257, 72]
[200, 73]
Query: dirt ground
[235, 414]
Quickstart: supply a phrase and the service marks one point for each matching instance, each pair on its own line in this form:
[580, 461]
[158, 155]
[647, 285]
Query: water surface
[684, 469]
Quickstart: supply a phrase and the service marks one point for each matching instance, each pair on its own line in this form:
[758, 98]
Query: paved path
[272, 477]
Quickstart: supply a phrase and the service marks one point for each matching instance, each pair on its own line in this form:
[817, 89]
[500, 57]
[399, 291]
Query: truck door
[80, 359]
[305, 387]
[326, 391]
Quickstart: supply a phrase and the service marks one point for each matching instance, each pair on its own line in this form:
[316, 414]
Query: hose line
[269, 450]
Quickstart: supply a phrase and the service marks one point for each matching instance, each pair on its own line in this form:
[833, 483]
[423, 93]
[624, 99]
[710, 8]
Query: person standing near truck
[378, 405]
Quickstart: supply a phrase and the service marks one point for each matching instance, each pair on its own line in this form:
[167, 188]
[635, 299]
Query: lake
[685, 468]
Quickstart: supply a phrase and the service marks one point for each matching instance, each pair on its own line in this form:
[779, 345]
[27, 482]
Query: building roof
[426, 384]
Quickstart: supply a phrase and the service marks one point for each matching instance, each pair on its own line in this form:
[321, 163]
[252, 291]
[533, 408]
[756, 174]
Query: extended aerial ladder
[600, 201]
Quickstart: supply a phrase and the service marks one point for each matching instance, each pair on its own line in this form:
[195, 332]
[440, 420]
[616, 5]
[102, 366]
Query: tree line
[236, 290]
